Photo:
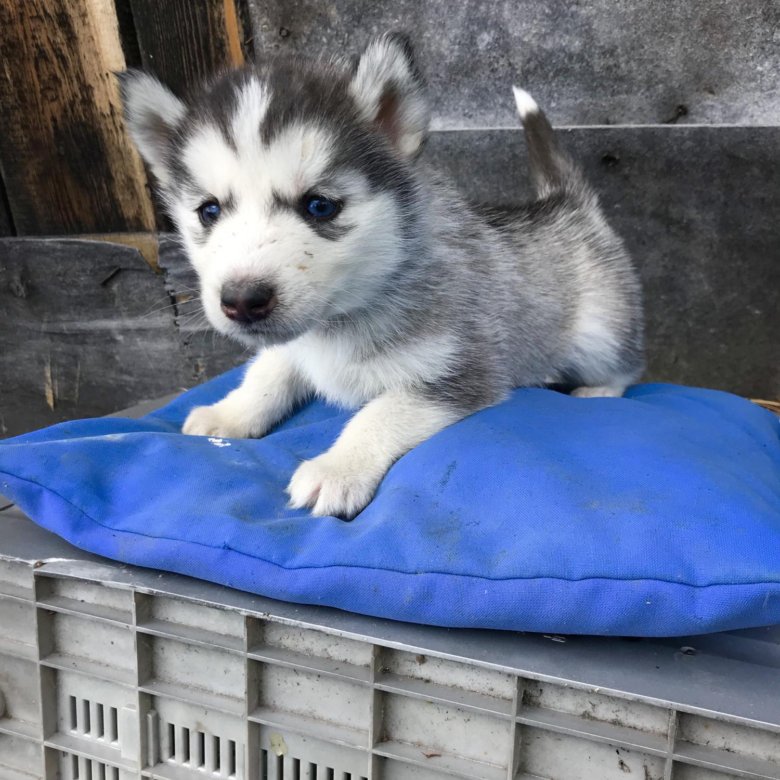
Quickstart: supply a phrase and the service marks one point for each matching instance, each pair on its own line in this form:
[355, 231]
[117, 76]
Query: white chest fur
[339, 373]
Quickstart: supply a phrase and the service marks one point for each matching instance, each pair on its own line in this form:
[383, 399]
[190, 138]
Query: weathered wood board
[184, 42]
[599, 62]
[67, 164]
[85, 328]
[6, 222]
[206, 352]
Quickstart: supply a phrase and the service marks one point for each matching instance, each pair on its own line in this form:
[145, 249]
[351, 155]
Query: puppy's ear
[390, 92]
[152, 113]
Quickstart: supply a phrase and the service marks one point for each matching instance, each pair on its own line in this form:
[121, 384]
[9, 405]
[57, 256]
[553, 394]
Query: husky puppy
[361, 276]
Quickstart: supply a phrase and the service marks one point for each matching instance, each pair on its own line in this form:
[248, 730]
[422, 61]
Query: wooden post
[183, 42]
[68, 165]
[6, 223]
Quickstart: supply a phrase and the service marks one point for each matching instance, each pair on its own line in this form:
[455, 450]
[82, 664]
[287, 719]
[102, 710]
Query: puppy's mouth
[275, 328]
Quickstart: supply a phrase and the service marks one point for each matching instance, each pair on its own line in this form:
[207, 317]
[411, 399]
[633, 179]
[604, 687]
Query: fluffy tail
[551, 169]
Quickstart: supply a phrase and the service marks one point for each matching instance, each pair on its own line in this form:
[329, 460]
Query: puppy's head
[290, 185]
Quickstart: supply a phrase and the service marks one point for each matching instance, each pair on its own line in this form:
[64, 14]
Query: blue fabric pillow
[655, 514]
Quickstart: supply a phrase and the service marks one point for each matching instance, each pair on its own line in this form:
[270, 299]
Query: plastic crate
[111, 673]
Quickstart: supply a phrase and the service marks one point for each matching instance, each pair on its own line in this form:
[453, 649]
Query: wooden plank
[207, 352]
[67, 163]
[184, 42]
[146, 243]
[6, 221]
[86, 328]
[127, 36]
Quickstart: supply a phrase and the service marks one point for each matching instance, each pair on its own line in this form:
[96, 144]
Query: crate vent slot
[299, 769]
[216, 763]
[100, 730]
[231, 758]
[75, 767]
[185, 745]
[113, 725]
[198, 750]
[88, 719]
[200, 761]
[267, 762]
[171, 742]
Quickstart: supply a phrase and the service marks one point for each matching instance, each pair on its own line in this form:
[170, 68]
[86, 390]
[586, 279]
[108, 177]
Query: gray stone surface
[698, 209]
[6, 223]
[589, 63]
[85, 328]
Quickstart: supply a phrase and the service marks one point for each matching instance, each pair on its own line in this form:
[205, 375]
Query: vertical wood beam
[184, 42]
[67, 163]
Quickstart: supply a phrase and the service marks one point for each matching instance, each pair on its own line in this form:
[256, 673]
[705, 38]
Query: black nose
[248, 302]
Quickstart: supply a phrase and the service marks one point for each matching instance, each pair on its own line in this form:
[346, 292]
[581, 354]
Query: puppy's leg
[606, 384]
[270, 390]
[343, 480]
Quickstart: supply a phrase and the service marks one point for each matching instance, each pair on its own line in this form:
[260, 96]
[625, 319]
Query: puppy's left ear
[152, 114]
[389, 91]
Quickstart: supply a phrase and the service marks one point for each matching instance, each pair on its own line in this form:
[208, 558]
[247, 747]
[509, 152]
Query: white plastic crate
[111, 673]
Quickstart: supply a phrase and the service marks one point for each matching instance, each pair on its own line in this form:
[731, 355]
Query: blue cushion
[654, 514]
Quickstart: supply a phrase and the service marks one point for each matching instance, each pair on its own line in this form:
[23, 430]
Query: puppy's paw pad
[331, 487]
[213, 421]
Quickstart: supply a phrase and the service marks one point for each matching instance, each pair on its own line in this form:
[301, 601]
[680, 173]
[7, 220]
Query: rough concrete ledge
[589, 63]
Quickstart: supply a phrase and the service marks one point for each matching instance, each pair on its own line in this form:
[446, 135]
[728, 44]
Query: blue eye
[321, 207]
[209, 212]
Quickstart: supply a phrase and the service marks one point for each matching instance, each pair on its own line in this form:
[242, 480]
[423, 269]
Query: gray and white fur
[361, 276]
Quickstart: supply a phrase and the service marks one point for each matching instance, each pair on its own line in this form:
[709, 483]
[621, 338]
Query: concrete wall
[590, 62]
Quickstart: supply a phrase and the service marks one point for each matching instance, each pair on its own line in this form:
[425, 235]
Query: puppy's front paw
[604, 391]
[217, 420]
[332, 485]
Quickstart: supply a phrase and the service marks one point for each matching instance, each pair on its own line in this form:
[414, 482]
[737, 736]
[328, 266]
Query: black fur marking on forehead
[181, 178]
[311, 93]
[215, 104]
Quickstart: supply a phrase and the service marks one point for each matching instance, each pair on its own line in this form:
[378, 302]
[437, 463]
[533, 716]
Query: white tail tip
[525, 103]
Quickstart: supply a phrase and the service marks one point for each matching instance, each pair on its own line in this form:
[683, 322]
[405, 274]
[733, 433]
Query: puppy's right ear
[389, 92]
[152, 113]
